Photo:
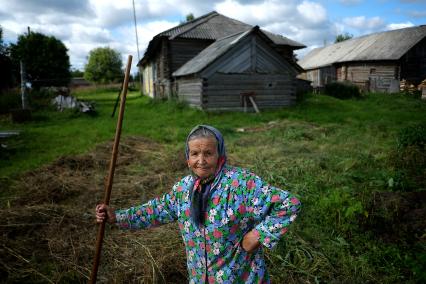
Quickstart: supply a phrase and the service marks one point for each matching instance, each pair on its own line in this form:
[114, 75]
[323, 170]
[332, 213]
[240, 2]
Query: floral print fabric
[241, 202]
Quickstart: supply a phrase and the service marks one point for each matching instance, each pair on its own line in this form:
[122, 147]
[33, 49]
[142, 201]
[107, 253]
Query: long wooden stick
[108, 185]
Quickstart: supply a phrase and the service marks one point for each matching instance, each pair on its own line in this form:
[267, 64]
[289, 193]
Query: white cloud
[395, 26]
[417, 14]
[313, 13]
[363, 23]
[35, 7]
[306, 22]
[350, 2]
[257, 14]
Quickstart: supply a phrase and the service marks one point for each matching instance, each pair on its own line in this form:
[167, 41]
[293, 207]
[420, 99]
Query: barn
[375, 62]
[172, 49]
[238, 72]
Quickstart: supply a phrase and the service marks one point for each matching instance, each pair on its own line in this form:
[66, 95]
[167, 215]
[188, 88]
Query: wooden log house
[170, 50]
[234, 71]
[375, 62]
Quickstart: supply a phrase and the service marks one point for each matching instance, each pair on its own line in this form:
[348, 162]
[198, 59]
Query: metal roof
[389, 45]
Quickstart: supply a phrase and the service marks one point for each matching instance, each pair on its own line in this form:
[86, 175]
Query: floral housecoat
[240, 203]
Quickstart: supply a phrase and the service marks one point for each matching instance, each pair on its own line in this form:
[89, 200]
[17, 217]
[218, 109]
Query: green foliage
[104, 66]
[342, 90]
[332, 153]
[45, 59]
[9, 100]
[343, 37]
[414, 135]
[190, 17]
[75, 73]
[3, 47]
[409, 159]
[6, 65]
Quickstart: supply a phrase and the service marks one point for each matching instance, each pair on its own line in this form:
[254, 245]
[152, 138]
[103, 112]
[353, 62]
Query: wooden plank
[259, 93]
[253, 54]
[254, 104]
[253, 86]
[183, 50]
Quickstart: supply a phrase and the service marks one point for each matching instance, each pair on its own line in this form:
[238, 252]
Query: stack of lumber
[406, 86]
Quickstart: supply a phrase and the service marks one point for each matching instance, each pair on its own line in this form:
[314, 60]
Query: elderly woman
[226, 214]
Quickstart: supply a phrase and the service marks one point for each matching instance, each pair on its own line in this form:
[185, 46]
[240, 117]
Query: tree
[45, 59]
[75, 73]
[104, 66]
[343, 37]
[6, 78]
[190, 17]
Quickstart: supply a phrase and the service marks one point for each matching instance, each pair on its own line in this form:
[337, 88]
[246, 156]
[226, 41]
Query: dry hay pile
[48, 231]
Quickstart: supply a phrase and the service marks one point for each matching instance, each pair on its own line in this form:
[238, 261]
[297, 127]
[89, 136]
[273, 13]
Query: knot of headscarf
[200, 189]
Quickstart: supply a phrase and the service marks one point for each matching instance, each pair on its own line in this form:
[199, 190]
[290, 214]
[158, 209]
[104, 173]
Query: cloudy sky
[86, 24]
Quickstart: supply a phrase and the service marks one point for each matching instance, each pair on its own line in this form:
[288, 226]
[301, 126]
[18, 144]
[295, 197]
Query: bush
[414, 135]
[9, 100]
[409, 158]
[342, 90]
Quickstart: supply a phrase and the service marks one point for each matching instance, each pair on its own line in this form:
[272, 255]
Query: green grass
[333, 153]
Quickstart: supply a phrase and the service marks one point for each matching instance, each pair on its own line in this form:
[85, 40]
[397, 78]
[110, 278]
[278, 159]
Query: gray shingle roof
[389, 45]
[215, 50]
[212, 26]
[208, 55]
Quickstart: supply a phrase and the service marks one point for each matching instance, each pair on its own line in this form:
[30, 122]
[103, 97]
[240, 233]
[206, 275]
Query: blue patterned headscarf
[220, 142]
[200, 192]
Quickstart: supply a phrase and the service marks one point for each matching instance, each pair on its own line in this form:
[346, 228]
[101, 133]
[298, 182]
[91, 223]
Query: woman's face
[203, 156]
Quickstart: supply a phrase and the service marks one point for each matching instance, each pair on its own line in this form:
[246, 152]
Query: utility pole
[24, 96]
[137, 45]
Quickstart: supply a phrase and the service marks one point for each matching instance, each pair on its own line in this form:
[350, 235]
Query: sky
[83, 25]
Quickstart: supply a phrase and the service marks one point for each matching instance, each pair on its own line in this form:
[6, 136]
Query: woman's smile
[203, 156]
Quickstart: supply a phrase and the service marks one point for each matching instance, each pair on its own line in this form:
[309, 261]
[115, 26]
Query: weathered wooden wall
[250, 66]
[413, 63]
[148, 79]
[223, 91]
[183, 50]
[373, 76]
[320, 77]
[285, 52]
[190, 90]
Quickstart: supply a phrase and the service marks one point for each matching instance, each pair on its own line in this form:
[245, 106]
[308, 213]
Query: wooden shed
[171, 49]
[375, 62]
[235, 71]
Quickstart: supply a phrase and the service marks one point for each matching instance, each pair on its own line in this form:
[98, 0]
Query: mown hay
[48, 232]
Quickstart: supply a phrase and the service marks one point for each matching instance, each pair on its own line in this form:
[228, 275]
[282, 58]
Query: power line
[136, 29]
[137, 43]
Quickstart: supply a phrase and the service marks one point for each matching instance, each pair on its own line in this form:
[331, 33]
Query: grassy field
[338, 156]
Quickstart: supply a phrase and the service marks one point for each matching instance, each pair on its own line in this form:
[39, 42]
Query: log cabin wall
[321, 76]
[190, 89]
[252, 66]
[373, 76]
[183, 50]
[413, 63]
[223, 91]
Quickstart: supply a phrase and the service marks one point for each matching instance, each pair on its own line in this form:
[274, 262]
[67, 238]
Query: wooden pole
[108, 185]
